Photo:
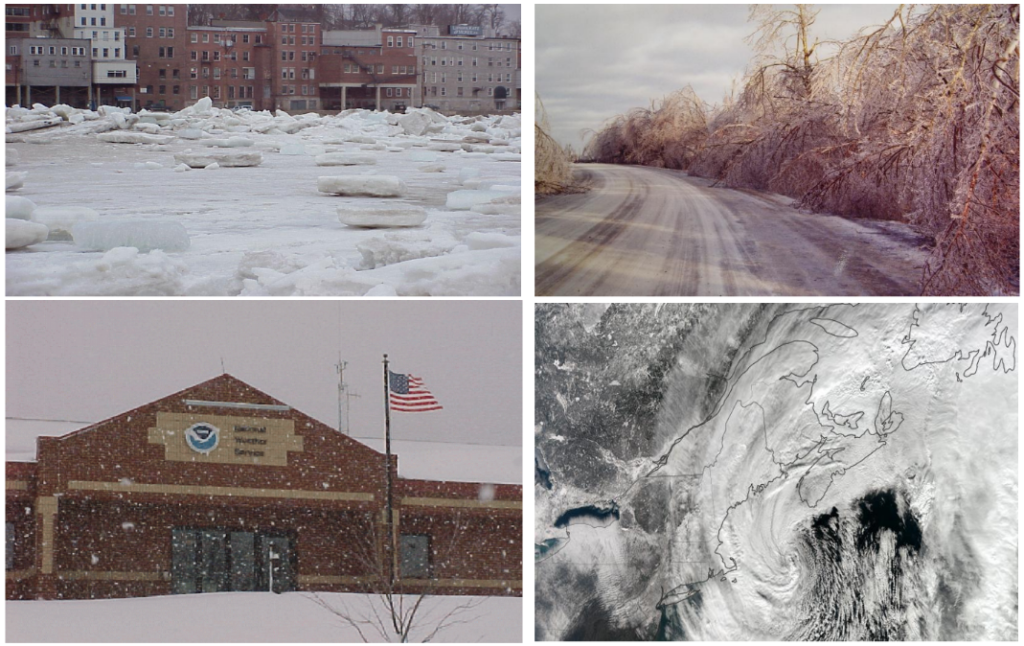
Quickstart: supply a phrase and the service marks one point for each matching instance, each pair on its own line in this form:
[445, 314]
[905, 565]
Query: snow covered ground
[266, 230]
[245, 617]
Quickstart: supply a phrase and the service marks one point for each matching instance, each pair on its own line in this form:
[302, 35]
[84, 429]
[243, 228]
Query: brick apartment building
[296, 49]
[157, 40]
[373, 69]
[48, 70]
[230, 63]
[221, 487]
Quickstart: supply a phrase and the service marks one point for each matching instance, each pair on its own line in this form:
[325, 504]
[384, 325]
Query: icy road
[654, 232]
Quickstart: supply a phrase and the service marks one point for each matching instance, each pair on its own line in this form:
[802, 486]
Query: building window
[380, 69]
[131, 32]
[175, 74]
[149, 32]
[135, 51]
[391, 41]
[131, 10]
[116, 74]
[149, 10]
[398, 42]
[414, 556]
[176, 89]
[163, 89]
[193, 73]
[245, 38]
[162, 74]
[206, 38]
[387, 92]
[444, 91]
[409, 41]
[103, 22]
[170, 10]
[458, 91]
[245, 56]
[170, 32]
[163, 11]
[193, 92]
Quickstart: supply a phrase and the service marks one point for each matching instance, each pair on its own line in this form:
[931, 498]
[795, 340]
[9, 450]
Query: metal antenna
[222, 370]
[342, 390]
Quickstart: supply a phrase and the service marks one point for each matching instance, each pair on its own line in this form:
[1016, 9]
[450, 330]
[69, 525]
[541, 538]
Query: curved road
[643, 231]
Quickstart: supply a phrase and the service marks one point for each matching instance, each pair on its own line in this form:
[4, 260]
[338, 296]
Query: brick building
[372, 69]
[156, 39]
[230, 62]
[221, 487]
[293, 70]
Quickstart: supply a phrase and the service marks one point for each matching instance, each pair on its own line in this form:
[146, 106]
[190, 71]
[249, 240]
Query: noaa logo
[202, 438]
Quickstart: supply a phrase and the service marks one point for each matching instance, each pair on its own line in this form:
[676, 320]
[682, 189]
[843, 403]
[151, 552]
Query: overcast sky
[89, 360]
[596, 61]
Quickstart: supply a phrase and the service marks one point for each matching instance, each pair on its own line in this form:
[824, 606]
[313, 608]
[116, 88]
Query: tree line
[916, 120]
[365, 16]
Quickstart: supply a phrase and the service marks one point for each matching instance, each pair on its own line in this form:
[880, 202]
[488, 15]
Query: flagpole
[387, 469]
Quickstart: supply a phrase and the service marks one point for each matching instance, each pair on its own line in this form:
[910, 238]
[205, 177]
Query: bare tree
[397, 608]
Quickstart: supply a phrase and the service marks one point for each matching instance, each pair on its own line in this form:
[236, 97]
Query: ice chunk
[293, 149]
[20, 208]
[143, 235]
[361, 139]
[22, 233]
[445, 147]
[374, 216]
[230, 142]
[60, 219]
[372, 185]
[468, 173]
[202, 160]
[213, 166]
[150, 165]
[191, 133]
[422, 156]
[13, 157]
[15, 181]
[512, 157]
[344, 159]
[35, 124]
[414, 123]
[148, 128]
[181, 168]
[465, 200]
[134, 138]
[432, 168]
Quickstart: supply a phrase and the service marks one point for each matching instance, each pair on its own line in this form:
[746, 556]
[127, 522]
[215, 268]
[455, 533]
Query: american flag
[408, 394]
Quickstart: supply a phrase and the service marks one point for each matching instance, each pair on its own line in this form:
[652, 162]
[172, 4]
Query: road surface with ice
[263, 230]
[654, 232]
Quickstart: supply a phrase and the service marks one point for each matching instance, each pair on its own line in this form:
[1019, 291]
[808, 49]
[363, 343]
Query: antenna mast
[342, 396]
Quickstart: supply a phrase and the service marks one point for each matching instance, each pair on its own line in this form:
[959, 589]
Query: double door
[220, 560]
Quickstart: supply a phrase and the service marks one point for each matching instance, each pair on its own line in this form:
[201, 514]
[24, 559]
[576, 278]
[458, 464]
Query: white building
[110, 66]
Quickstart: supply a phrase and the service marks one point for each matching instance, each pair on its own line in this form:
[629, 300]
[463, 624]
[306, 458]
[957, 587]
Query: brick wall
[117, 498]
[147, 45]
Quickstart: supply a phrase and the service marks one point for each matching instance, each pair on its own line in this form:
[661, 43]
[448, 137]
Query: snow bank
[143, 235]
[12, 156]
[253, 617]
[370, 185]
[119, 272]
[22, 233]
[233, 159]
[369, 215]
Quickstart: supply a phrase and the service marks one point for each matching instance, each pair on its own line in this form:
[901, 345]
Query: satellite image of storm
[776, 472]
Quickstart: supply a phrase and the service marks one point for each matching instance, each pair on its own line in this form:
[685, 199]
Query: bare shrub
[553, 164]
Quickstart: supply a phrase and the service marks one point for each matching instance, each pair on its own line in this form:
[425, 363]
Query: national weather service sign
[225, 439]
[202, 437]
